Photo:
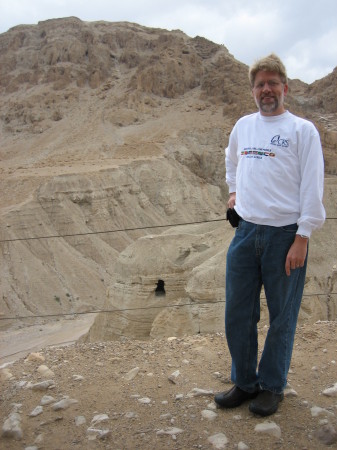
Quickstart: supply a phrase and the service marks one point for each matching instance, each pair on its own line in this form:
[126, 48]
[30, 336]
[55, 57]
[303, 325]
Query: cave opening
[160, 289]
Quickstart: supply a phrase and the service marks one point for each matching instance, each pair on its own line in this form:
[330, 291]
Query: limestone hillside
[115, 126]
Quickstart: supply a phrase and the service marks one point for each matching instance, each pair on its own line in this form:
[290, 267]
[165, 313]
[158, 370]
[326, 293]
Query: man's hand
[297, 254]
[232, 200]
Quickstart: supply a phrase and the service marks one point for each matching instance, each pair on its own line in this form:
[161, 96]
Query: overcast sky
[302, 32]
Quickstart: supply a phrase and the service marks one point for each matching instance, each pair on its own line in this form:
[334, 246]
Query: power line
[124, 230]
[118, 230]
[140, 308]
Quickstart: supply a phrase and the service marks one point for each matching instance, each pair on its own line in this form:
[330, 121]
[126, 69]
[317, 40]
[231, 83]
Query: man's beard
[268, 107]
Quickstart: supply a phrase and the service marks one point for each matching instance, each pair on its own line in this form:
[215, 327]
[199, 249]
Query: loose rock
[80, 420]
[132, 374]
[209, 415]
[63, 404]
[331, 392]
[218, 440]
[35, 357]
[173, 377]
[318, 411]
[269, 428]
[12, 427]
[99, 418]
[196, 392]
[170, 431]
[46, 400]
[45, 372]
[42, 386]
[144, 400]
[36, 411]
[327, 434]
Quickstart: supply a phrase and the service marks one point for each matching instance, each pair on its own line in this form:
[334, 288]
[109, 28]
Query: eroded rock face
[192, 264]
[182, 259]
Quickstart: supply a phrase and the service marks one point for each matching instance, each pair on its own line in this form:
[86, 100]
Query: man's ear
[285, 89]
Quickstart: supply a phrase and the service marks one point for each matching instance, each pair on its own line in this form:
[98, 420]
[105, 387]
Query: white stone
[78, 377]
[219, 440]
[99, 418]
[209, 415]
[63, 404]
[80, 420]
[323, 422]
[317, 411]
[45, 372]
[174, 375]
[217, 375]
[42, 386]
[212, 405]
[46, 400]
[242, 446]
[132, 374]
[196, 392]
[331, 392]
[36, 411]
[270, 428]
[172, 431]
[94, 433]
[290, 392]
[12, 427]
[144, 400]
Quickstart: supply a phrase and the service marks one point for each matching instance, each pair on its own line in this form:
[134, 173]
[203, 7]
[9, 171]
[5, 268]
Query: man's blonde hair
[270, 63]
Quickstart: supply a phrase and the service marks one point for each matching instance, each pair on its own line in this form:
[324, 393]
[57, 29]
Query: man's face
[269, 92]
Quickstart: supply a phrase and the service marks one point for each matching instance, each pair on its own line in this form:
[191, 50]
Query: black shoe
[233, 398]
[266, 403]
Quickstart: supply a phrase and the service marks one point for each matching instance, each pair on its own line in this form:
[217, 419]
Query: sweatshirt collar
[273, 118]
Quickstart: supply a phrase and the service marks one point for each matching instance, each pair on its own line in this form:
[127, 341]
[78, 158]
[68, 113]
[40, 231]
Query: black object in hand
[233, 217]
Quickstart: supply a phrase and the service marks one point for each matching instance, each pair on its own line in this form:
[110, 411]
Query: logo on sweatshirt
[259, 153]
[279, 142]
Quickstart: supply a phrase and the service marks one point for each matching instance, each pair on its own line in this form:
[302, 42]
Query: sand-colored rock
[106, 130]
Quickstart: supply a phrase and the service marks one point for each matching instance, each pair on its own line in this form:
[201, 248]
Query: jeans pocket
[240, 225]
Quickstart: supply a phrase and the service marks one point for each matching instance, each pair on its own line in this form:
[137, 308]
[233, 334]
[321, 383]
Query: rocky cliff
[107, 130]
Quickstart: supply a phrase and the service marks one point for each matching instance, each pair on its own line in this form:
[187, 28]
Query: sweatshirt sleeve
[231, 161]
[312, 212]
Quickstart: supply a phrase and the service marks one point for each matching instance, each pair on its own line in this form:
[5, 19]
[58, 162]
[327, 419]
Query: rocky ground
[158, 394]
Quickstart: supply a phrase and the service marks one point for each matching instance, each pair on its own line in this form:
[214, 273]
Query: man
[275, 174]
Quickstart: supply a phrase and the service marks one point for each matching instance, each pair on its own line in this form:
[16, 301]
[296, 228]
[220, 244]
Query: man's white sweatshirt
[275, 165]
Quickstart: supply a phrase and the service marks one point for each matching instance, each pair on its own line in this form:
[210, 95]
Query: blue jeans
[256, 257]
